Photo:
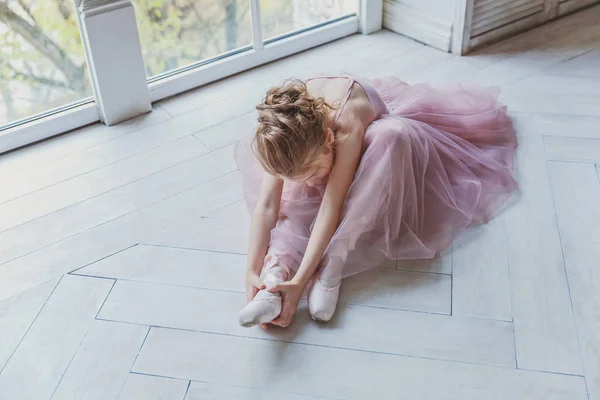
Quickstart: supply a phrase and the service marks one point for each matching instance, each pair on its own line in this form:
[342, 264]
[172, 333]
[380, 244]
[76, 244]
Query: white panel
[146, 387]
[493, 20]
[508, 30]
[210, 391]
[257, 36]
[568, 6]
[17, 314]
[577, 193]
[115, 58]
[371, 16]
[545, 335]
[488, 20]
[367, 329]
[338, 373]
[480, 281]
[428, 22]
[102, 362]
[47, 349]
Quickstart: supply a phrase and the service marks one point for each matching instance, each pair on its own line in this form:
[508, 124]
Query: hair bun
[291, 126]
[291, 97]
[288, 93]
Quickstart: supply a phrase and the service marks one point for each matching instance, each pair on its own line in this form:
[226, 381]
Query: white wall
[428, 21]
[463, 25]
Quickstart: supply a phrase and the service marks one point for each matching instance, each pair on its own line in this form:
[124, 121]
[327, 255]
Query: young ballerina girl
[343, 173]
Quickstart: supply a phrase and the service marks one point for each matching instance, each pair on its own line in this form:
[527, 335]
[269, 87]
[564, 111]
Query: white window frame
[85, 112]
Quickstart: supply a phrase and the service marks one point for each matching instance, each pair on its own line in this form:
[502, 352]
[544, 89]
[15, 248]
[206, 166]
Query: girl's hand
[290, 292]
[253, 285]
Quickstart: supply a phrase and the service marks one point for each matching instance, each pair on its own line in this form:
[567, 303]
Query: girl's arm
[263, 221]
[348, 154]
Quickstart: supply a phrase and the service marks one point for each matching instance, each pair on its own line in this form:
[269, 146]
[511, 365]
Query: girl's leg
[324, 294]
[266, 306]
[286, 249]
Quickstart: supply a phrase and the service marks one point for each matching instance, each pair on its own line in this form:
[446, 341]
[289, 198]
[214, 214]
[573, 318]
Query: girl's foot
[322, 300]
[265, 306]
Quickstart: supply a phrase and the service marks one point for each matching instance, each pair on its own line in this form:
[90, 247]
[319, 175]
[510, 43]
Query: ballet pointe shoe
[322, 300]
[265, 306]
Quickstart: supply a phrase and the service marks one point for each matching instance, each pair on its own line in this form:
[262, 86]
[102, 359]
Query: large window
[281, 17]
[42, 65]
[66, 63]
[176, 33]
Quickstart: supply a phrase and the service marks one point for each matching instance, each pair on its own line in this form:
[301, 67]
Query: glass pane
[280, 17]
[42, 64]
[175, 33]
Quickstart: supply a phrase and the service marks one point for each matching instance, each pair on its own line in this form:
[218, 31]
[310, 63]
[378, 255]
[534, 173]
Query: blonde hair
[292, 129]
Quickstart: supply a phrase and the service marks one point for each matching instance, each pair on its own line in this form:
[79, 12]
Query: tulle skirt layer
[437, 163]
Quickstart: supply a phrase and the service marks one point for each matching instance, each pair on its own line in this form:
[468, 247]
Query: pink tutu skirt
[439, 161]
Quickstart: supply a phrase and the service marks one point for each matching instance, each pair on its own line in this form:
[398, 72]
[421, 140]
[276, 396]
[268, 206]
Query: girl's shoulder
[356, 110]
